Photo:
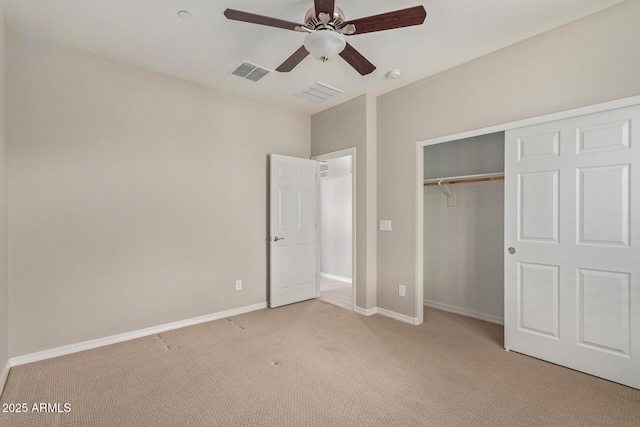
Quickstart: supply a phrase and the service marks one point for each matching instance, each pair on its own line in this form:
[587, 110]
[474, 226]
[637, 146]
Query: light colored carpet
[315, 364]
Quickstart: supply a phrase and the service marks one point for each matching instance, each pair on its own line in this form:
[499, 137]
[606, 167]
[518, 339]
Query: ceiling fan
[326, 26]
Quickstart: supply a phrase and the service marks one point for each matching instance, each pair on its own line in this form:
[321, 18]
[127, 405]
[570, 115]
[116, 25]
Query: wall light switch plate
[385, 225]
[401, 290]
[238, 285]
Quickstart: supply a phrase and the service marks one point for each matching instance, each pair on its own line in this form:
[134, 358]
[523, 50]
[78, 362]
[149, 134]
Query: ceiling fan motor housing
[313, 23]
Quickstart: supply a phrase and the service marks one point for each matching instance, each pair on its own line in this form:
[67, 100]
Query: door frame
[334, 155]
[419, 173]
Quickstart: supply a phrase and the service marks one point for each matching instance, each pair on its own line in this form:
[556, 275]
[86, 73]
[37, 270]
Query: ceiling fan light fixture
[326, 29]
[324, 44]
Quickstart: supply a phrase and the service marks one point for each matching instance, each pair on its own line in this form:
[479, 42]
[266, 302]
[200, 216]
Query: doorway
[336, 231]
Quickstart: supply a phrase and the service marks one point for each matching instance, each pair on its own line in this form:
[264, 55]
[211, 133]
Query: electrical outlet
[401, 290]
[238, 285]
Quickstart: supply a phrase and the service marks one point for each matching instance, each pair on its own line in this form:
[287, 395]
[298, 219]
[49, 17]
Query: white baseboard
[397, 316]
[465, 312]
[87, 345]
[365, 311]
[3, 376]
[387, 313]
[334, 277]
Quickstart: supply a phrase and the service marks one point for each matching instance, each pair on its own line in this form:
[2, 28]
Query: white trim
[397, 316]
[465, 312]
[99, 342]
[334, 155]
[334, 277]
[365, 311]
[581, 111]
[3, 376]
[419, 248]
[388, 313]
[419, 196]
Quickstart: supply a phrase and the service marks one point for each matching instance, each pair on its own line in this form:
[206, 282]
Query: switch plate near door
[385, 225]
[401, 290]
[238, 285]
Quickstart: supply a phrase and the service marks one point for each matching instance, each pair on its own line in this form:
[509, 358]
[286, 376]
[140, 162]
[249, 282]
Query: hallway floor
[336, 292]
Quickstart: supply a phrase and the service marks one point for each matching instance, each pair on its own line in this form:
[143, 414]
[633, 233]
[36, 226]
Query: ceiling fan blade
[390, 20]
[326, 6]
[238, 15]
[356, 60]
[290, 63]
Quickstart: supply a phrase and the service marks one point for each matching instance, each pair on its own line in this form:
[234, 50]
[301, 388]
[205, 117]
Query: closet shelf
[464, 179]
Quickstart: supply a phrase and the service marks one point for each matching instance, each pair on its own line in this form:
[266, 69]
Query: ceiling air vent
[319, 92]
[249, 71]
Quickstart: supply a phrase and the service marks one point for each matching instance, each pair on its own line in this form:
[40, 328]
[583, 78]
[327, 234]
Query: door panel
[293, 265]
[572, 217]
[603, 311]
[607, 136]
[539, 146]
[538, 299]
[603, 205]
[539, 205]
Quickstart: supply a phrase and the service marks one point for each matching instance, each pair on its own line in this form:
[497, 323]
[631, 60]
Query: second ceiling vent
[249, 71]
[319, 92]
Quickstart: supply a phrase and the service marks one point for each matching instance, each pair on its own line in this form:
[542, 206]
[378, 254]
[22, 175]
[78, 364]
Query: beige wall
[4, 286]
[345, 126]
[592, 60]
[136, 199]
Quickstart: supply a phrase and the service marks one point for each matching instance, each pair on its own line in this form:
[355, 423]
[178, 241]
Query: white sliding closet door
[572, 234]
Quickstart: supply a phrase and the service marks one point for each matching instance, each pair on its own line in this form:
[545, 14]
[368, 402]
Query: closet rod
[451, 181]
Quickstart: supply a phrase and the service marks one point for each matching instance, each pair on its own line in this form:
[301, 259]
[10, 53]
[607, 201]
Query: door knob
[511, 250]
[275, 239]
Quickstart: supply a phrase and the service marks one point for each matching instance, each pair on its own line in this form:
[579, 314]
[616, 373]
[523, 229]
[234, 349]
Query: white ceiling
[206, 47]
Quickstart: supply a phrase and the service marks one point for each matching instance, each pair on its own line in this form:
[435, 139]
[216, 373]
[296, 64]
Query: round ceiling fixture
[184, 14]
[394, 74]
[324, 44]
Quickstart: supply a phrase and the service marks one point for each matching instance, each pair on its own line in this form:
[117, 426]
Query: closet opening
[463, 226]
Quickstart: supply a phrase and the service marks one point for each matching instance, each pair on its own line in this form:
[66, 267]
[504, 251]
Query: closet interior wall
[464, 232]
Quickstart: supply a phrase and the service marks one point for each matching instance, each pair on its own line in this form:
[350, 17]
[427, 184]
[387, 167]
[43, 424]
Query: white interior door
[293, 230]
[572, 221]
